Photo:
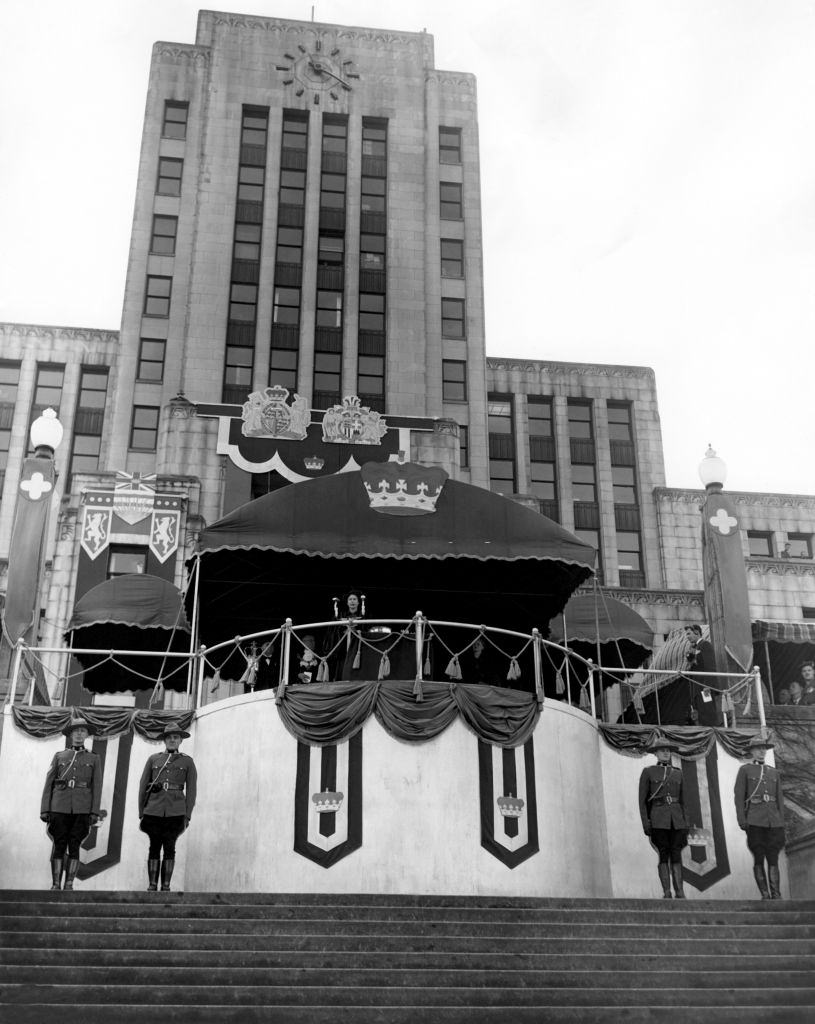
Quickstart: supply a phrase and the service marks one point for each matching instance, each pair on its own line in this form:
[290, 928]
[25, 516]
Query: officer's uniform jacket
[168, 785]
[73, 784]
[661, 797]
[759, 797]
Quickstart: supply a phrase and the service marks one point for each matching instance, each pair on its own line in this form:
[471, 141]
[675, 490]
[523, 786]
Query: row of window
[761, 544]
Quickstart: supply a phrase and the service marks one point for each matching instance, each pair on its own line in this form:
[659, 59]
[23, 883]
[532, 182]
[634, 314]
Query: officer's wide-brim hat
[760, 741]
[663, 743]
[77, 723]
[174, 729]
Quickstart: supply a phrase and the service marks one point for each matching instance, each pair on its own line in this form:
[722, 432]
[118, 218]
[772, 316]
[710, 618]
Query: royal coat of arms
[266, 414]
[353, 423]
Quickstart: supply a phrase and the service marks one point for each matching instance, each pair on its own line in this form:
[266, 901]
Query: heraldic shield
[328, 801]
[509, 806]
[704, 859]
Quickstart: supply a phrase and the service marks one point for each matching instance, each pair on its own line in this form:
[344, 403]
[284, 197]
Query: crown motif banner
[328, 801]
[266, 414]
[509, 806]
[403, 488]
[353, 423]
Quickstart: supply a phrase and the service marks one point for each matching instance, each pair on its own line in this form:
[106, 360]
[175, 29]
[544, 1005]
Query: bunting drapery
[107, 722]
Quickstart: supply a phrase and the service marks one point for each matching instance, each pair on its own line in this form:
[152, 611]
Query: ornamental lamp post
[727, 605]
[28, 532]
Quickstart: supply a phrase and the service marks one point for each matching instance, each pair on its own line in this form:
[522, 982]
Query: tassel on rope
[748, 703]
[322, 671]
[157, 694]
[384, 666]
[585, 703]
[639, 707]
[418, 691]
[727, 702]
[426, 668]
[453, 669]
[514, 669]
[357, 655]
[216, 681]
[560, 686]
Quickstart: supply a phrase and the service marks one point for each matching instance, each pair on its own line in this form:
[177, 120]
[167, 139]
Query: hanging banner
[328, 801]
[727, 603]
[164, 530]
[95, 530]
[509, 807]
[34, 495]
[102, 848]
[704, 859]
[134, 496]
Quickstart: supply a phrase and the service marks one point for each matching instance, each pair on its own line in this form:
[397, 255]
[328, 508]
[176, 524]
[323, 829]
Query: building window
[628, 552]
[372, 199]
[330, 250]
[580, 426]
[329, 308]
[283, 368]
[452, 318]
[250, 183]
[295, 132]
[453, 380]
[542, 482]
[499, 416]
[335, 135]
[539, 416]
[371, 252]
[246, 245]
[124, 560]
[157, 296]
[47, 391]
[292, 188]
[619, 421]
[449, 145]
[327, 371]
[800, 545]
[170, 171]
[162, 241]
[501, 444]
[144, 428]
[175, 120]
[452, 257]
[332, 191]
[374, 138]
[371, 312]
[450, 201]
[625, 485]
[371, 381]
[289, 245]
[237, 373]
[243, 303]
[286, 306]
[151, 360]
[464, 447]
[592, 537]
[89, 420]
[760, 544]
[9, 384]
[584, 484]
[807, 613]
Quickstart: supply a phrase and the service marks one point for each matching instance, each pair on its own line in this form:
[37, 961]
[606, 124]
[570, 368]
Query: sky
[647, 175]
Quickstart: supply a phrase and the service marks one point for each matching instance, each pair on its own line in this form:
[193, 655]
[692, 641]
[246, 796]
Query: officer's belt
[167, 785]
[766, 799]
[664, 800]
[72, 784]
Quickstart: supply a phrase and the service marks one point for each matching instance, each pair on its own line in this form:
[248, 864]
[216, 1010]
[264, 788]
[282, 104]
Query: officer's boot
[761, 881]
[71, 867]
[676, 870]
[775, 882]
[166, 874]
[56, 872]
[665, 879]
[152, 874]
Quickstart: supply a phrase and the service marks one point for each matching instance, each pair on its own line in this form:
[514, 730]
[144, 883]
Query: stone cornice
[458, 79]
[780, 567]
[583, 369]
[182, 54]
[762, 498]
[631, 597]
[43, 332]
[323, 32]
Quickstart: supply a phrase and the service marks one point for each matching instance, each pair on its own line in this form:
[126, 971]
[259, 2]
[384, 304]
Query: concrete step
[159, 994]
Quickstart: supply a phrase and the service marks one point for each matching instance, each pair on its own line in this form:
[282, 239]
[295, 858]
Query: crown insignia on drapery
[403, 488]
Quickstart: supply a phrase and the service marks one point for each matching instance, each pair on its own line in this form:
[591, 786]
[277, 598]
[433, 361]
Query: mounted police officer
[167, 792]
[70, 800]
[663, 815]
[760, 812]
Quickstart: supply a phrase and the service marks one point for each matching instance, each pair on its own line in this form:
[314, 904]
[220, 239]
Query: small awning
[131, 613]
[597, 617]
[784, 632]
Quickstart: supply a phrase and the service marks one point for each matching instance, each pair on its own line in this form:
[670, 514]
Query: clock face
[316, 72]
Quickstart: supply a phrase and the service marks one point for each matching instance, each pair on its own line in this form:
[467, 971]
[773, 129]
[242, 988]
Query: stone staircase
[113, 958]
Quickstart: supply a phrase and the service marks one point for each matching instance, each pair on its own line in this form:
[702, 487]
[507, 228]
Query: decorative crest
[266, 414]
[353, 423]
[327, 802]
[403, 488]
[510, 806]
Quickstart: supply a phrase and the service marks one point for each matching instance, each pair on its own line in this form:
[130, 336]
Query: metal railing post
[419, 621]
[284, 661]
[591, 691]
[199, 681]
[536, 652]
[15, 672]
[762, 718]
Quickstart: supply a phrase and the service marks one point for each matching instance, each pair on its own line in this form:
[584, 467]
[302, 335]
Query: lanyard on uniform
[158, 775]
[70, 766]
[760, 779]
[658, 790]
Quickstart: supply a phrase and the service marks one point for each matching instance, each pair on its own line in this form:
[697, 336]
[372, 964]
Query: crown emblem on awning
[403, 488]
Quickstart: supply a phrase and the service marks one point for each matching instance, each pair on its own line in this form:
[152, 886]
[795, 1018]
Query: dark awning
[784, 632]
[598, 617]
[479, 557]
[131, 613]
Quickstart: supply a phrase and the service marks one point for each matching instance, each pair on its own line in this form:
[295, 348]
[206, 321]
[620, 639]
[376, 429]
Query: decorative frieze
[570, 369]
[182, 54]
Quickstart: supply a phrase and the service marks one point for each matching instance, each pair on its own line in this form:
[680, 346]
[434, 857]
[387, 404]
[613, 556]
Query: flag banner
[95, 533]
[704, 859]
[102, 847]
[725, 579]
[164, 530]
[26, 547]
[509, 808]
[328, 801]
